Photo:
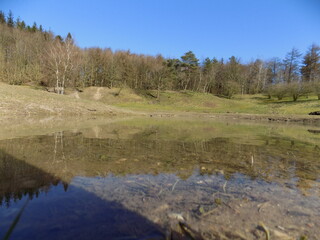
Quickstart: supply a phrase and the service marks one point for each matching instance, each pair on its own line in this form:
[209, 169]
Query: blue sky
[247, 29]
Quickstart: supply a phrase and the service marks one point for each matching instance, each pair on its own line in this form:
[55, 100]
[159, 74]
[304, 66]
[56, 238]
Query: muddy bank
[252, 117]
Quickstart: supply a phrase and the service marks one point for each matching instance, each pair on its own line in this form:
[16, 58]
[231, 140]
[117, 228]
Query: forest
[33, 55]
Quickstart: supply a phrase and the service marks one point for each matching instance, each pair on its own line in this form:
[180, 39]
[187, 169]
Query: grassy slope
[25, 101]
[199, 102]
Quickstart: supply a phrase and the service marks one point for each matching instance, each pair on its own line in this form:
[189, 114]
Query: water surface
[161, 179]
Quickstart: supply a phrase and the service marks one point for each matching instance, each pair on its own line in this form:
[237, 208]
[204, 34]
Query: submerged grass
[197, 130]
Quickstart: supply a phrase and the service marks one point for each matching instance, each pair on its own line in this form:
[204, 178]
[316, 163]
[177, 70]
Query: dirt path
[97, 96]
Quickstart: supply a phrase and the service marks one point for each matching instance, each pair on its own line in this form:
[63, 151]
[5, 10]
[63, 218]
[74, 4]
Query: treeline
[32, 54]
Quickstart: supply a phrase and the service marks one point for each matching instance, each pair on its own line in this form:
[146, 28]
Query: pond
[159, 178]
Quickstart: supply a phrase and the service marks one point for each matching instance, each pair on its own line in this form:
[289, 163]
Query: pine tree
[2, 17]
[69, 36]
[189, 67]
[18, 22]
[34, 27]
[59, 38]
[10, 20]
[189, 58]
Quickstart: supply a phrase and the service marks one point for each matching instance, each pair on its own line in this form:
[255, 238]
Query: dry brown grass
[25, 101]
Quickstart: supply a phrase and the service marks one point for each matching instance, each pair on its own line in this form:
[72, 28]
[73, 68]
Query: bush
[268, 91]
[316, 89]
[298, 89]
[278, 90]
[230, 88]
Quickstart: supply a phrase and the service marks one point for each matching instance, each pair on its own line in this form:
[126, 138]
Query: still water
[161, 179]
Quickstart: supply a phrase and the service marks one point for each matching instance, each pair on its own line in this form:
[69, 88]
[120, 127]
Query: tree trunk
[159, 87]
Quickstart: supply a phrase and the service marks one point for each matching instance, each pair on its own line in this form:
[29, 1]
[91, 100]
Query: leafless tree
[61, 56]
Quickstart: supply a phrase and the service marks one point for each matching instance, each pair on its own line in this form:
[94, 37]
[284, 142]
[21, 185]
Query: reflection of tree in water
[19, 179]
[69, 154]
[58, 146]
[228, 170]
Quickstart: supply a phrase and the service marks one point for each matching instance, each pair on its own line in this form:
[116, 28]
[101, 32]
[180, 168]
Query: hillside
[25, 101]
[187, 101]
[28, 101]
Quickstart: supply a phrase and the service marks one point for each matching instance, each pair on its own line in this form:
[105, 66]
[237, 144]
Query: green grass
[28, 101]
[208, 103]
[193, 102]
[287, 106]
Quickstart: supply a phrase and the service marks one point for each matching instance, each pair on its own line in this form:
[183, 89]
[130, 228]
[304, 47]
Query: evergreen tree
[18, 22]
[59, 38]
[189, 58]
[10, 20]
[234, 79]
[2, 17]
[210, 69]
[190, 66]
[207, 64]
[34, 27]
[69, 36]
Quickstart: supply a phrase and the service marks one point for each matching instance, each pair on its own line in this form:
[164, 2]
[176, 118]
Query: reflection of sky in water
[142, 204]
[140, 184]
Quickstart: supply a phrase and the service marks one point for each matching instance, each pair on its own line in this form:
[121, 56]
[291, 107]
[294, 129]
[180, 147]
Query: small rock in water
[162, 208]
[281, 228]
[281, 235]
[177, 216]
[219, 171]
[311, 225]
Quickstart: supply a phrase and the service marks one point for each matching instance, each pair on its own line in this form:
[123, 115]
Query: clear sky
[210, 28]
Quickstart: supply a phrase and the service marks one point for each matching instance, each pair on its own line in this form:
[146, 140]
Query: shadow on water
[59, 212]
[137, 179]
[19, 180]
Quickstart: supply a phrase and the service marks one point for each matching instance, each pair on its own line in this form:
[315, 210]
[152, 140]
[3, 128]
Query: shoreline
[243, 116]
[119, 113]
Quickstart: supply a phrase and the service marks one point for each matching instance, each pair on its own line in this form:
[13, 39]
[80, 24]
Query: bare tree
[311, 64]
[292, 64]
[61, 55]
